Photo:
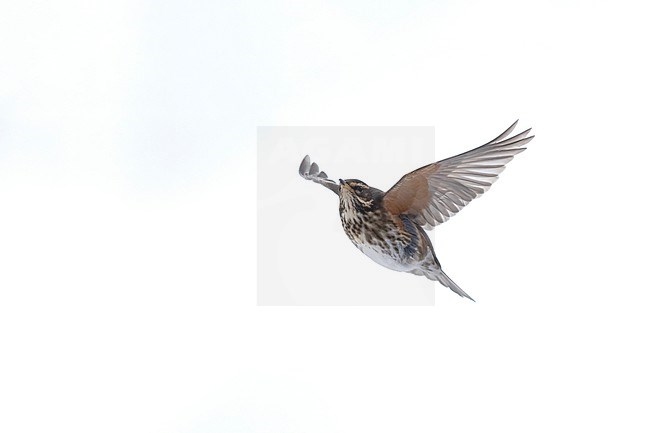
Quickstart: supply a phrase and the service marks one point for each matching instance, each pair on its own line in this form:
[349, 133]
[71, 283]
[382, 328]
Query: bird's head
[355, 194]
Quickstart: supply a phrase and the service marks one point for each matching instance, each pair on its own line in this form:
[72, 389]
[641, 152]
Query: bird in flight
[389, 227]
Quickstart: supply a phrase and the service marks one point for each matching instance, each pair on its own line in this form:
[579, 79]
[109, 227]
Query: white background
[127, 217]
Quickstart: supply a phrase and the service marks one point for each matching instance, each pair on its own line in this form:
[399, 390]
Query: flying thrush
[389, 227]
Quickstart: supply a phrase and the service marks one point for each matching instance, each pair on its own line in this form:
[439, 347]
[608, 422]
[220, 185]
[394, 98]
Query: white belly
[385, 260]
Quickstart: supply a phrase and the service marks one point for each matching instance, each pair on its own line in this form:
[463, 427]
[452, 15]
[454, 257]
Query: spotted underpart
[393, 242]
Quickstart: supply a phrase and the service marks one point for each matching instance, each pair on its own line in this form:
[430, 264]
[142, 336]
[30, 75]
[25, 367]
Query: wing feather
[434, 193]
[310, 171]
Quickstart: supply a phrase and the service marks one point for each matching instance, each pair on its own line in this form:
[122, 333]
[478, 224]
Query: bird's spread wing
[310, 171]
[434, 193]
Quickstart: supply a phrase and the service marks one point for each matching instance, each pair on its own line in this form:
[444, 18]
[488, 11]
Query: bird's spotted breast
[379, 236]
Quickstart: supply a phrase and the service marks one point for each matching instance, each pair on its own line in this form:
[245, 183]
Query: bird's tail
[440, 276]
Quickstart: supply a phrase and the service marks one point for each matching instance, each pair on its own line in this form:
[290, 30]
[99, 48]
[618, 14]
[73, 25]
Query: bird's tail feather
[447, 282]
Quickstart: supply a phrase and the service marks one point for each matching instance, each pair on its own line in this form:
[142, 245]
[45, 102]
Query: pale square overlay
[304, 257]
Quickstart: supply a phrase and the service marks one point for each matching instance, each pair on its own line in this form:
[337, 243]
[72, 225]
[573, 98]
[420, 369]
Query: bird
[389, 227]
